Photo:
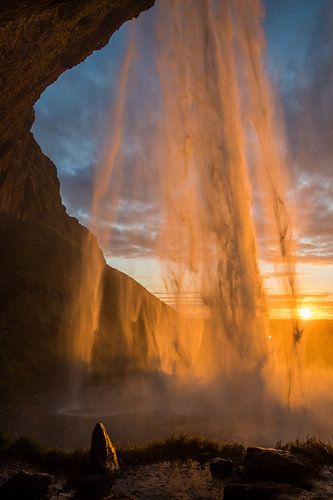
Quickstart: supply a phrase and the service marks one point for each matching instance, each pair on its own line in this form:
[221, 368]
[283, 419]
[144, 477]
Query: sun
[305, 313]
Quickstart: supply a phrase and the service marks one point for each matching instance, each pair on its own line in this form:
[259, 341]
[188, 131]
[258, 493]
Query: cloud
[300, 54]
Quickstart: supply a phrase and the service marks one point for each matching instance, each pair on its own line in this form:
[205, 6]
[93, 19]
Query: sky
[72, 116]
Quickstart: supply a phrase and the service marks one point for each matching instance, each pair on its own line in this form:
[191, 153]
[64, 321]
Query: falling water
[208, 228]
[209, 129]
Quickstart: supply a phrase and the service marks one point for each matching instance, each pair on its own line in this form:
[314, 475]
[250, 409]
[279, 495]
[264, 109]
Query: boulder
[102, 452]
[268, 464]
[220, 467]
[97, 474]
[93, 487]
[25, 485]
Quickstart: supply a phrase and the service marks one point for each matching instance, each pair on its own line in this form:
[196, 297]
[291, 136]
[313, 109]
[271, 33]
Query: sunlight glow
[305, 313]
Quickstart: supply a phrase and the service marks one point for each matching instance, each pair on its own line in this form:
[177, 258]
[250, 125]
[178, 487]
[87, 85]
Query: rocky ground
[253, 474]
[191, 480]
[176, 480]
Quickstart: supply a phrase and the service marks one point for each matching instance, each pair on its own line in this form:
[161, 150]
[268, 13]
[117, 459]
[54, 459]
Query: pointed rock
[102, 451]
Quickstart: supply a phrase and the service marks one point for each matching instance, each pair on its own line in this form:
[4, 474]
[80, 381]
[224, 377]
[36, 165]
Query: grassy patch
[176, 447]
[34, 452]
[313, 448]
[180, 447]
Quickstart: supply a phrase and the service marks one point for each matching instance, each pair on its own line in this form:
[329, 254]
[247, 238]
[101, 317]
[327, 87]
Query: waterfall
[196, 143]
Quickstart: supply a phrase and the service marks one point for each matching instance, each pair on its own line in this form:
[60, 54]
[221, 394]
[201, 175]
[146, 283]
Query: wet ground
[171, 480]
[191, 480]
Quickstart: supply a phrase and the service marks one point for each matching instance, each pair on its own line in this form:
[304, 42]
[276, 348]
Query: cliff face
[39, 41]
[41, 245]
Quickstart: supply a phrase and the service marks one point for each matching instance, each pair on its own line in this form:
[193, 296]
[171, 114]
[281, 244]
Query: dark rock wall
[41, 245]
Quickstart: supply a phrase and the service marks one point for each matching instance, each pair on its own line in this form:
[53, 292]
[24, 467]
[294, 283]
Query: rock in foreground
[269, 464]
[102, 451]
[97, 476]
[25, 485]
[220, 467]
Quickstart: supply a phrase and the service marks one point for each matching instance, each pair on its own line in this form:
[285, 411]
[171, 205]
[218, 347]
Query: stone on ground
[93, 487]
[25, 485]
[220, 467]
[268, 464]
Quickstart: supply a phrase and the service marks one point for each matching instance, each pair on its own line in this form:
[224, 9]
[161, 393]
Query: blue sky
[72, 114]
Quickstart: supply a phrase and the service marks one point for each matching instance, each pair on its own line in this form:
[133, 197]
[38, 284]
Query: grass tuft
[32, 451]
[180, 447]
[312, 448]
[176, 447]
